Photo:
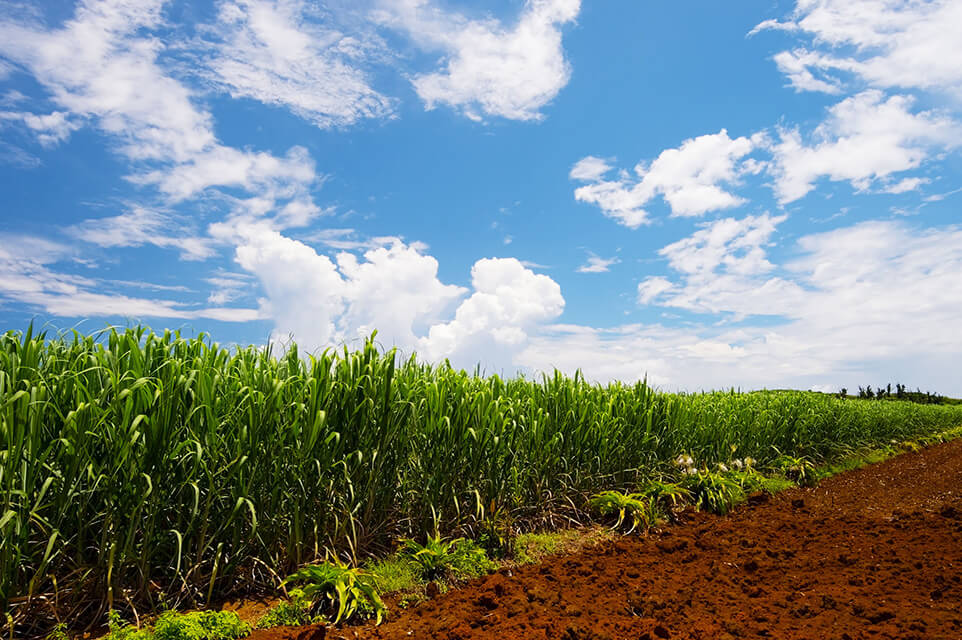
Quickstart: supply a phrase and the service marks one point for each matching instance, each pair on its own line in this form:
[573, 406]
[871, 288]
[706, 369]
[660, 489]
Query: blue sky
[754, 194]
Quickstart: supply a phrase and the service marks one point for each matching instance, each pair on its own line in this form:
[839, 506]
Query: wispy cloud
[489, 69]
[597, 264]
[286, 53]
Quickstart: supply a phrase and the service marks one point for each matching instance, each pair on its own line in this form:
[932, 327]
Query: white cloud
[796, 65]
[489, 69]
[260, 172]
[51, 129]
[652, 287]
[95, 68]
[509, 301]
[597, 264]
[322, 302]
[27, 277]
[689, 178]
[865, 138]
[872, 302]
[395, 289]
[141, 226]
[885, 43]
[905, 184]
[735, 245]
[276, 52]
[589, 169]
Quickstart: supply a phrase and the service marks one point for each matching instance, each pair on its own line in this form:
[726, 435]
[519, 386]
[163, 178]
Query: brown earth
[872, 553]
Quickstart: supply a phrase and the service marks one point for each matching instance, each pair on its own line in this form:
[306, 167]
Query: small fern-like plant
[347, 589]
[639, 508]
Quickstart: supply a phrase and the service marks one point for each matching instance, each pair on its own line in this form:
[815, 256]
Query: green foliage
[395, 573]
[440, 559]
[350, 590]
[197, 625]
[752, 481]
[535, 546]
[666, 495]
[637, 507]
[274, 457]
[117, 629]
[296, 610]
[799, 469]
[200, 625]
[531, 547]
[59, 632]
[496, 533]
[713, 491]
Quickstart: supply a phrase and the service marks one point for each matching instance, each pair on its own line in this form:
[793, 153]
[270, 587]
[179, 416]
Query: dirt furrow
[872, 553]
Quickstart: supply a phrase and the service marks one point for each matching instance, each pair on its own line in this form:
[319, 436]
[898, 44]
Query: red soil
[873, 553]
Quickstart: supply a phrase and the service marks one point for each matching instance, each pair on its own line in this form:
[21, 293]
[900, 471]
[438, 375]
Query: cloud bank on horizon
[767, 201]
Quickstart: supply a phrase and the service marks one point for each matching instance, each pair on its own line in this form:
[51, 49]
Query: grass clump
[298, 609]
[399, 576]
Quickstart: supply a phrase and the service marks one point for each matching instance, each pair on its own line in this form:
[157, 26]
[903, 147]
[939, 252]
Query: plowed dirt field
[872, 553]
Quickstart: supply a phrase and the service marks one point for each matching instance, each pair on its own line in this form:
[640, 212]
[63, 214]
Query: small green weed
[441, 559]
[59, 632]
[350, 590]
[666, 495]
[752, 481]
[399, 576]
[635, 506]
[298, 609]
[800, 469]
[496, 533]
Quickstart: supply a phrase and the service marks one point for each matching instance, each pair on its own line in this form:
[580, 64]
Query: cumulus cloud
[280, 52]
[509, 300]
[724, 268]
[690, 178]
[865, 138]
[489, 69]
[395, 289]
[885, 43]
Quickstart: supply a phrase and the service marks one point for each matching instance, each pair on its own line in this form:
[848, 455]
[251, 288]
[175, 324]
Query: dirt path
[873, 553]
